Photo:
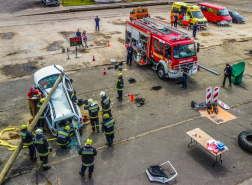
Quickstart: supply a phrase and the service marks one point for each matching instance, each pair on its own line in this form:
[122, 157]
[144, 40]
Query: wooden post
[30, 128]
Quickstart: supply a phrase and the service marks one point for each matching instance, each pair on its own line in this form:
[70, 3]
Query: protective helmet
[24, 126]
[67, 128]
[102, 93]
[106, 116]
[89, 142]
[68, 122]
[90, 101]
[32, 88]
[39, 132]
[119, 74]
[42, 100]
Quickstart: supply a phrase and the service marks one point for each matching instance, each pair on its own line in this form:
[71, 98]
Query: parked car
[215, 13]
[236, 17]
[51, 2]
[138, 13]
[60, 109]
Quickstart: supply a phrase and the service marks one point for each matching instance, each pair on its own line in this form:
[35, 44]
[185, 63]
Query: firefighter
[130, 54]
[73, 97]
[63, 137]
[119, 86]
[185, 71]
[27, 138]
[41, 121]
[93, 110]
[108, 128]
[105, 102]
[88, 153]
[43, 148]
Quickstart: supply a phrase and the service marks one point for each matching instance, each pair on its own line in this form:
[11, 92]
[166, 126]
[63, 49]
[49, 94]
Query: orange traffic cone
[132, 97]
[108, 44]
[104, 72]
[142, 63]
[93, 58]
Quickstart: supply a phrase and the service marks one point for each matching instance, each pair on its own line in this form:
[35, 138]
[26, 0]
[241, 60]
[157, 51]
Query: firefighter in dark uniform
[41, 121]
[119, 86]
[88, 153]
[185, 72]
[63, 137]
[93, 110]
[73, 97]
[43, 148]
[108, 128]
[105, 102]
[27, 138]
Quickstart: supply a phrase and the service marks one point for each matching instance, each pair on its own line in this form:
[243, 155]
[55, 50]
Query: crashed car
[61, 111]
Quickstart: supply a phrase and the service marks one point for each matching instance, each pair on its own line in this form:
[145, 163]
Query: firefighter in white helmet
[105, 102]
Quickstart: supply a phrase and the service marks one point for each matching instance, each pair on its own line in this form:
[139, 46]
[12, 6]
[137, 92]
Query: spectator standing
[97, 20]
[78, 34]
[84, 36]
[175, 20]
[195, 27]
[227, 74]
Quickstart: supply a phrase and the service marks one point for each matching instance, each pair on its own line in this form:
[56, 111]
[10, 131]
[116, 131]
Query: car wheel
[218, 23]
[161, 73]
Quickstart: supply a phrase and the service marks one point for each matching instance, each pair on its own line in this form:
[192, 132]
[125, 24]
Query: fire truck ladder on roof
[152, 30]
[154, 21]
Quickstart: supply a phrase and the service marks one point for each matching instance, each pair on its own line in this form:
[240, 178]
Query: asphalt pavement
[144, 136]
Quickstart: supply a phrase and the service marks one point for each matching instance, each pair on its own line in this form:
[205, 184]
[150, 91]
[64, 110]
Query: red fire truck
[167, 48]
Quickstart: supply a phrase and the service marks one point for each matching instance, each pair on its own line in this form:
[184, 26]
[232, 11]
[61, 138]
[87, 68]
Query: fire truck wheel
[161, 73]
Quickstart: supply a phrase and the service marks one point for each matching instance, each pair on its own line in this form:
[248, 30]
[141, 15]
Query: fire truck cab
[168, 49]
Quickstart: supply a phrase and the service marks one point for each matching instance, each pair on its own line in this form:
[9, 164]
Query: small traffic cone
[104, 72]
[142, 63]
[198, 68]
[93, 58]
[132, 97]
[108, 44]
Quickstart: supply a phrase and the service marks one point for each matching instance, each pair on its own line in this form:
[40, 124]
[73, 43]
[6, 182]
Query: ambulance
[192, 12]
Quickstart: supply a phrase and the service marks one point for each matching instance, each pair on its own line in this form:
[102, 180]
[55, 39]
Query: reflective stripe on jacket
[63, 137]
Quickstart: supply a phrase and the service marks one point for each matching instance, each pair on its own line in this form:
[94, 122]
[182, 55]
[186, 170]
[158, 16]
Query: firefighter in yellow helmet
[88, 153]
[119, 86]
[41, 121]
[63, 137]
[27, 138]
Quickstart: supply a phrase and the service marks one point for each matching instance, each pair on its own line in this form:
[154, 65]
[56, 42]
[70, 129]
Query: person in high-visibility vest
[119, 86]
[43, 148]
[93, 110]
[108, 128]
[105, 102]
[27, 138]
[41, 120]
[88, 153]
[63, 137]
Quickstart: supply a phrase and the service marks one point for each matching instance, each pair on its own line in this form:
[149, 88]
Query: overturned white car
[60, 108]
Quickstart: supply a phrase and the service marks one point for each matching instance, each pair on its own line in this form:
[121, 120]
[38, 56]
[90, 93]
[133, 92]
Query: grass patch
[76, 2]
[135, 0]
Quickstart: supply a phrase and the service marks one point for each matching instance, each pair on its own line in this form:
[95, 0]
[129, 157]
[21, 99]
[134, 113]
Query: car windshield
[235, 13]
[197, 14]
[224, 12]
[48, 82]
[184, 51]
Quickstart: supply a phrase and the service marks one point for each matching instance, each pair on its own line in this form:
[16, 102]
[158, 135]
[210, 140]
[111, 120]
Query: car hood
[226, 18]
[202, 19]
[60, 102]
[46, 71]
[239, 17]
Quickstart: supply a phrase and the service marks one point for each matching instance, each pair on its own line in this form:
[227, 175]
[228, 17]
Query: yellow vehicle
[138, 13]
[192, 12]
